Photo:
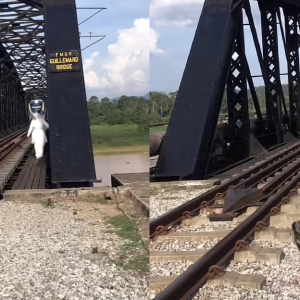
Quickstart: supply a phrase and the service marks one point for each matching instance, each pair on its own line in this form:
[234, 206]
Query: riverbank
[100, 151]
[127, 136]
[158, 129]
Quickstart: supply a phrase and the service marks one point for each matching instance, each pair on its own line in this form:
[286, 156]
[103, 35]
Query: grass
[154, 190]
[138, 263]
[102, 201]
[125, 228]
[117, 139]
[158, 129]
[121, 150]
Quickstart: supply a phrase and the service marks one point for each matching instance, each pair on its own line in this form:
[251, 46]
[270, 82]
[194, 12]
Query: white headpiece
[37, 115]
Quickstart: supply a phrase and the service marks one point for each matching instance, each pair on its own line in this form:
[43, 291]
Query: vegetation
[161, 105]
[119, 138]
[123, 124]
[120, 123]
[134, 259]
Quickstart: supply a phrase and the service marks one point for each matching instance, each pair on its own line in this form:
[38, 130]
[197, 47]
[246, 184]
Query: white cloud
[154, 43]
[182, 13]
[125, 69]
[177, 13]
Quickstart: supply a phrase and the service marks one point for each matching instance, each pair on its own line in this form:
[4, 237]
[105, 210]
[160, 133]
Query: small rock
[95, 250]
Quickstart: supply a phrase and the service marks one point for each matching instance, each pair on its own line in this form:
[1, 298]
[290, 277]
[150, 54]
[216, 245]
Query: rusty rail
[245, 180]
[12, 136]
[10, 143]
[211, 263]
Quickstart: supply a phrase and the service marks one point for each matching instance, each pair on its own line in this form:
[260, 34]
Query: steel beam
[237, 98]
[291, 43]
[271, 59]
[71, 153]
[197, 106]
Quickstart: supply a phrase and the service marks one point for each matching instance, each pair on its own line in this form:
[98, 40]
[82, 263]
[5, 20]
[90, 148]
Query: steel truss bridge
[218, 63]
[30, 32]
[22, 60]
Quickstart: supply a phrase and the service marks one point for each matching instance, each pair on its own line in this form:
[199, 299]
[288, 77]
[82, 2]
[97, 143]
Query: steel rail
[195, 276]
[10, 137]
[11, 144]
[245, 179]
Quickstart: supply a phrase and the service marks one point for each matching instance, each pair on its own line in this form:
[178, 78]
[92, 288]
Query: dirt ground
[121, 218]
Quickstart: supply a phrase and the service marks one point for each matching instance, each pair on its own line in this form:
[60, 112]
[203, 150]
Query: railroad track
[209, 236]
[10, 143]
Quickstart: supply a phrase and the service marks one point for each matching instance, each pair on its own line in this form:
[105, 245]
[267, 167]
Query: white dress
[38, 138]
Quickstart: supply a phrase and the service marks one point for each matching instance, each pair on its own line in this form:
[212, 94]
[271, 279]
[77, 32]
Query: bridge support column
[237, 98]
[71, 153]
[291, 24]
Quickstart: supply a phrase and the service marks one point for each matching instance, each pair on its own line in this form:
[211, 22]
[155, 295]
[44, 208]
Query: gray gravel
[46, 254]
[164, 201]
[171, 245]
[169, 268]
[212, 226]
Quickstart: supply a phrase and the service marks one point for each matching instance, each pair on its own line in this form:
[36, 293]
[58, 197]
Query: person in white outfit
[37, 130]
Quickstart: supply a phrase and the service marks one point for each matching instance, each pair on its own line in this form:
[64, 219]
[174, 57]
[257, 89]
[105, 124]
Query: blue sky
[119, 64]
[174, 23]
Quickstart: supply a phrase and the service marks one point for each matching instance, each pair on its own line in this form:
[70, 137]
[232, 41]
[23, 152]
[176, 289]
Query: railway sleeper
[254, 253]
[272, 256]
[234, 279]
[284, 220]
[272, 234]
[229, 279]
[204, 219]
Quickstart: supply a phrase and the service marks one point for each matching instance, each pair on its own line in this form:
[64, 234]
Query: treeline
[161, 104]
[157, 109]
[125, 110]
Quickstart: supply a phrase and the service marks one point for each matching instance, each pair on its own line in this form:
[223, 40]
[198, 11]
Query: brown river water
[112, 164]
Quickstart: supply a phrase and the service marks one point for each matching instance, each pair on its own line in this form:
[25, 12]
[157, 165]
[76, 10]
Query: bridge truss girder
[218, 60]
[22, 59]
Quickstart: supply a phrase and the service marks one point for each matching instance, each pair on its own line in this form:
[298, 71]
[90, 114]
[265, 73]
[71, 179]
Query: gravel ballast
[47, 253]
[162, 200]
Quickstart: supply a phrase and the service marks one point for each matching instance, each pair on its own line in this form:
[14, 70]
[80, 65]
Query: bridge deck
[32, 175]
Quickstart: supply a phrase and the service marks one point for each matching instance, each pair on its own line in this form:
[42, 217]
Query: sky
[174, 23]
[146, 45]
[119, 64]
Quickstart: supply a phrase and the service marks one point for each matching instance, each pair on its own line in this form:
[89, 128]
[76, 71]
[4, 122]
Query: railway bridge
[40, 56]
[219, 68]
[252, 156]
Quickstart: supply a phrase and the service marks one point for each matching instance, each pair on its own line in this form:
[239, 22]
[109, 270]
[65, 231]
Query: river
[114, 164]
